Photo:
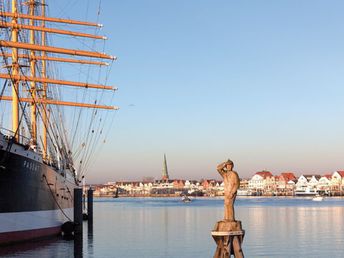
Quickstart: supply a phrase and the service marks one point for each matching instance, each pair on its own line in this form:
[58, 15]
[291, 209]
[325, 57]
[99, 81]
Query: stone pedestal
[228, 236]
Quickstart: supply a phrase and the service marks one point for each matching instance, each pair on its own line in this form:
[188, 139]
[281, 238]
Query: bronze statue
[232, 182]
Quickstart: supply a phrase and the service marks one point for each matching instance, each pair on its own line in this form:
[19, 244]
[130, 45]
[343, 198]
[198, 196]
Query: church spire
[165, 176]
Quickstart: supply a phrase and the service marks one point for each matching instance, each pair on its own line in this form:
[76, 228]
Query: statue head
[229, 164]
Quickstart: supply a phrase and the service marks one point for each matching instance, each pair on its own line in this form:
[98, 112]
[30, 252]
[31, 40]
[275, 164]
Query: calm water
[152, 227]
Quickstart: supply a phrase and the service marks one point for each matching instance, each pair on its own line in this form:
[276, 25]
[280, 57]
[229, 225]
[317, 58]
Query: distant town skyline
[164, 169]
[260, 82]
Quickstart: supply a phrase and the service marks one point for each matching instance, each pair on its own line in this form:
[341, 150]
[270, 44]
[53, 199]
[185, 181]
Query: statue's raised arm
[221, 168]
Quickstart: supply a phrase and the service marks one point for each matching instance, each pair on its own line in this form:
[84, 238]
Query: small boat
[185, 198]
[317, 198]
[306, 192]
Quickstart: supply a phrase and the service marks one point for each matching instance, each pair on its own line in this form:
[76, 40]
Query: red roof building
[264, 174]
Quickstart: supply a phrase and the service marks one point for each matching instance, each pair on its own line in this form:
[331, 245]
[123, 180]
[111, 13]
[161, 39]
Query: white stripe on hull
[19, 221]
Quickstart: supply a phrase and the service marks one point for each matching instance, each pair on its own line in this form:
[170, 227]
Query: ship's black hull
[35, 199]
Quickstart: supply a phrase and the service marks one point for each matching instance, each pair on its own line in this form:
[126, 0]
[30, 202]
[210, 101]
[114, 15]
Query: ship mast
[41, 53]
[33, 91]
[15, 72]
[45, 116]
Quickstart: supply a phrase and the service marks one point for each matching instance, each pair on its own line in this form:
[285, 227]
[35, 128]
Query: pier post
[78, 210]
[228, 236]
[90, 205]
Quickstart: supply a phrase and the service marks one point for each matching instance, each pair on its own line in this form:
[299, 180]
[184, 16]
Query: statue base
[228, 236]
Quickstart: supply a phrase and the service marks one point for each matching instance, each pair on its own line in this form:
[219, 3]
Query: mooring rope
[53, 195]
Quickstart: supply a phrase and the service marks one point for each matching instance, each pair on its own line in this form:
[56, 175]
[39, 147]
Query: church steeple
[165, 176]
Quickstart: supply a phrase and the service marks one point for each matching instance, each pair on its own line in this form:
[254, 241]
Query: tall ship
[54, 110]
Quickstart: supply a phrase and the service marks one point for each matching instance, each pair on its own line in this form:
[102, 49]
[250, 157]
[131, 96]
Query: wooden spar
[66, 51]
[15, 72]
[45, 116]
[60, 103]
[53, 81]
[48, 19]
[50, 30]
[57, 59]
[33, 74]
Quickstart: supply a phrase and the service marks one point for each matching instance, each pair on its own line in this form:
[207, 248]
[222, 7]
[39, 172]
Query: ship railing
[25, 141]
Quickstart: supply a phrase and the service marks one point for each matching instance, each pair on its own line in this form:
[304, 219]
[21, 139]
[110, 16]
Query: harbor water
[167, 227]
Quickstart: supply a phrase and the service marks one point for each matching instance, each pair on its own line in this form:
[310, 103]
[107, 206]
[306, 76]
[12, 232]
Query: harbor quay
[262, 183]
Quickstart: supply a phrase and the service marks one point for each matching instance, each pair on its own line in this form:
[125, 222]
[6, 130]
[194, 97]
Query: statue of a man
[232, 182]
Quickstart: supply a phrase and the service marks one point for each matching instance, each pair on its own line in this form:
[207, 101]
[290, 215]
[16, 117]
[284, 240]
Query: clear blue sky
[260, 82]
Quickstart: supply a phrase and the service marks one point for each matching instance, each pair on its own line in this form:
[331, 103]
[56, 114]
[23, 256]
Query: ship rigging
[50, 126]
[26, 57]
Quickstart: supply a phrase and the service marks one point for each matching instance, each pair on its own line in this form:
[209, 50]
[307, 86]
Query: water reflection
[275, 227]
[78, 246]
[294, 231]
[165, 226]
[90, 239]
[52, 247]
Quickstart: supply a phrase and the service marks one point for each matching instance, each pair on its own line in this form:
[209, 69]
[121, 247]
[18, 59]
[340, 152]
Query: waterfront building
[291, 185]
[178, 183]
[145, 188]
[244, 184]
[132, 188]
[187, 184]
[104, 190]
[244, 188]
[191, 185]
[205, 184]
[107, 189]
[163, 187]
[313, 181]
[324, 185]
[307, 184]
[337, 183]
[262, 182]
[301, 184]
[96, 191]
[209, 184]
[282, 183]
[209, 187]
[178, 186]
[163, 183]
